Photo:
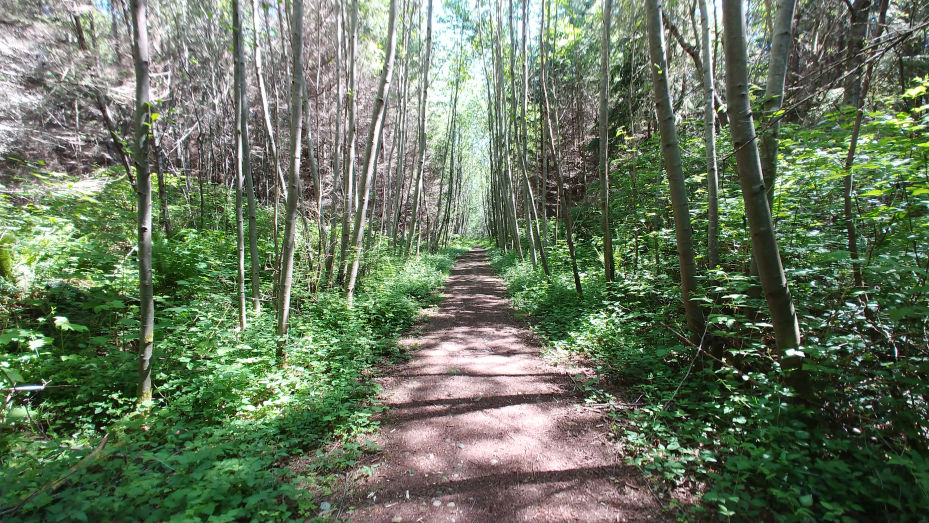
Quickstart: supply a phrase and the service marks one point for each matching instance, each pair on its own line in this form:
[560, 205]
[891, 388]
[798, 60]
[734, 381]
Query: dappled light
[464, 260]
[479, 428]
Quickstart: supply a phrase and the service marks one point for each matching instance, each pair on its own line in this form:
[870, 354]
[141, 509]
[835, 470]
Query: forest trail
[480, 428]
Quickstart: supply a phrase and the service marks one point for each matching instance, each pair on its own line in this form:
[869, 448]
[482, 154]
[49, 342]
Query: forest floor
[480, 428]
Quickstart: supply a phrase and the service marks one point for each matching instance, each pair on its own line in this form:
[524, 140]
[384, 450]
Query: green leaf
[12, 374]
[62, 323]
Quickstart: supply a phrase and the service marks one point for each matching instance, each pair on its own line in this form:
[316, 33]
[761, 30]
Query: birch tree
[293, 173]
[370, 157]
[421, 147]
[141, 148]
[243, 170]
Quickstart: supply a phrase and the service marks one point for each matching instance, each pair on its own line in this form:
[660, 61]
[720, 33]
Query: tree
[774, 93]
[293, 173]
[549, 139]
[421, 147]
[764, 243]
[608, 264]
[674, 170]
[241, 162]
[709, 140]
[243, 168]
[851, 99]
[141, 148]
[370, 157]
[348, 180]
[394, 202]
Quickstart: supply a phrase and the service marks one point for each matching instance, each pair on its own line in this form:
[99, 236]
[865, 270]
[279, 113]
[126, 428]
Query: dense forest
[217, 219]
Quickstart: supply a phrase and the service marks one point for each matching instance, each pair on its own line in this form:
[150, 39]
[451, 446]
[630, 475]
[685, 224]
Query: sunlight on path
[481, 429]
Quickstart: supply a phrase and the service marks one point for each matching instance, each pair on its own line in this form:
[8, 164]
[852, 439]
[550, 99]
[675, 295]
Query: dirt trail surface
[480, 428]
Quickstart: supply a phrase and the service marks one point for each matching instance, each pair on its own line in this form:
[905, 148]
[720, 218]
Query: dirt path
[481, 429]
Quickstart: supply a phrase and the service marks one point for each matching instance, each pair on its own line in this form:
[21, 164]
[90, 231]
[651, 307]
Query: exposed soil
[480, 428]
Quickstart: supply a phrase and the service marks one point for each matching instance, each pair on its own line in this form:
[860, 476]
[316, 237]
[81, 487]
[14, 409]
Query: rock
[436, 503]
[451, 504]
[460, 445]
[397, 519]
[325, 506]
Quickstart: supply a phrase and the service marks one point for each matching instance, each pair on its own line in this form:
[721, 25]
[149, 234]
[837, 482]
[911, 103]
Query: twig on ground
[692, 361]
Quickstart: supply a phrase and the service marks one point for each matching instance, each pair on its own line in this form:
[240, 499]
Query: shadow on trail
[479, 428]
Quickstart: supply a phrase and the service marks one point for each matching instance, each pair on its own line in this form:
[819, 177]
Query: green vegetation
[723, 207]
[225, 419]
[723, 422]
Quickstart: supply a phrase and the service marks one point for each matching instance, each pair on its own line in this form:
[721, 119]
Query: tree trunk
[370, 157]
[263, 96]
[243, 168]
[709, 139]
[421, 148]
[858, 14]
[764, 243]
[537, 243]
[563, 196]
[348, 182]
[293, 184]
[337, 145]
[674, 170]
[774, 94]
[143, 123]
[162, 189]
[503, 164]
[608, 265]
[394, 208]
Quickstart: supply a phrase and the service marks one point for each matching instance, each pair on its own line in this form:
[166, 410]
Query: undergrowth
[731, 432]
[723, 424]
[226, 420]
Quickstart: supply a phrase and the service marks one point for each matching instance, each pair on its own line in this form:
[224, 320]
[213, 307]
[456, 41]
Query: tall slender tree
[764, 243]
[547, 114]
[609, 265]
[348, 165]
[709, 140]
[141, 147]
[858, 31]
[293, 173]
[370, 157]
[263, 97]
[671, 152]
[774, 93]
[243, 168]
[421, 147]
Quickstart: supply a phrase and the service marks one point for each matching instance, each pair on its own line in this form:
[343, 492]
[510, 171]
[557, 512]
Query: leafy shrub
[217, 440]
[723, 423]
